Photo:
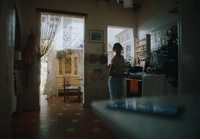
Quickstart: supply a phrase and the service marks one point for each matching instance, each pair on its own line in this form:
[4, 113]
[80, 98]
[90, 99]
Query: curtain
[49, 29]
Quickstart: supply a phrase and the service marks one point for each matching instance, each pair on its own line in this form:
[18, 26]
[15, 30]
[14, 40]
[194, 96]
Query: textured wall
[154, 14]
[153, 18]
[7, 28]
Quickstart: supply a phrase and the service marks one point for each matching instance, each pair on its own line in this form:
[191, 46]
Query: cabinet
[142, 48]
[68, 67]
[157, 85]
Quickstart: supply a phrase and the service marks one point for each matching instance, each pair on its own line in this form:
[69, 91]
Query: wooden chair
[68, 88]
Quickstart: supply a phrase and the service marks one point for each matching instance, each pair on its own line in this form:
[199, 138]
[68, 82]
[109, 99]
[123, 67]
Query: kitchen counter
[140, 125]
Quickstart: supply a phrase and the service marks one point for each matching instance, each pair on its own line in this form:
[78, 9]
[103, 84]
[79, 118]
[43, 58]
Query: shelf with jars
[142, 48]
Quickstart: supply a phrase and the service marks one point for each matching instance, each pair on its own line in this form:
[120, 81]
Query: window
[124, 37]
[43, 19]
[125, 40]
[122, 52]
[128, 51]
[120, 39]
[128, 35]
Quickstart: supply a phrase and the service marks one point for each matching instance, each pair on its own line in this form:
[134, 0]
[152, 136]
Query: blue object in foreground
[148, 107]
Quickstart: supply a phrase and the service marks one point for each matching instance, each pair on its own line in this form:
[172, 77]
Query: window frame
[124, 42]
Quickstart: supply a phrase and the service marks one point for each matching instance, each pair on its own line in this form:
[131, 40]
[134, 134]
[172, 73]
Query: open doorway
[124, 36]
[62, 49]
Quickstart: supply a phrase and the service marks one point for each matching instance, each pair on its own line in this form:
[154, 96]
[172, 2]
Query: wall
[100, 15]
[154, 14]
[189, 46]
[7, 28]
[153, 18]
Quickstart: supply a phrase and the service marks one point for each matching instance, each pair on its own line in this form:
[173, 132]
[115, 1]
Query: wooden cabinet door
[69, 67]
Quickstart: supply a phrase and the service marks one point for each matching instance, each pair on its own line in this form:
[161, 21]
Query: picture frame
[96, 36]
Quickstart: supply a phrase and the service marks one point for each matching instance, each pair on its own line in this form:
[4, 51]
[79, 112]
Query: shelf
[140, 45]
[141, 40]
[140, 51]
[141, 57]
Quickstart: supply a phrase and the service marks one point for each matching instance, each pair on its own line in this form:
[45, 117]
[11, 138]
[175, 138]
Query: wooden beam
[60, 12]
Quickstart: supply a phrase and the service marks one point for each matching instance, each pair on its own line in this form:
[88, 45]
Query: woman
[117, 69]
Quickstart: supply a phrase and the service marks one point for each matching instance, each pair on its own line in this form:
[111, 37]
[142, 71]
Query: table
[138, 125]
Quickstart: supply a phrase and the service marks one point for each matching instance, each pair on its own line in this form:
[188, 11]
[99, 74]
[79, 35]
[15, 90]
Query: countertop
[140, 125]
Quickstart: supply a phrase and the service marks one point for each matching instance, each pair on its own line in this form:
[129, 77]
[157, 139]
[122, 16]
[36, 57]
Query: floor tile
[59, 120]
[78, 113]
[20, 129]
[77, 135]
[96, 130]
[76, 120]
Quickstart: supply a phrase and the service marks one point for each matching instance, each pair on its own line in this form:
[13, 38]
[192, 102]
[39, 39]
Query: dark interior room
[57, 58]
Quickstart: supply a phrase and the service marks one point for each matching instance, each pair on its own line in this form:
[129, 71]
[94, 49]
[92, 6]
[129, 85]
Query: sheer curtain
[58, 32]
[47, 31]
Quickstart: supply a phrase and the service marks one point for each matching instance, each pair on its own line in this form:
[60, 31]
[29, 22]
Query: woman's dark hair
[117, 45]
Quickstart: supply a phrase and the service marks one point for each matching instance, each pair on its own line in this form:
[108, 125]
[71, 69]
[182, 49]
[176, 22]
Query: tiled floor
[59, 120]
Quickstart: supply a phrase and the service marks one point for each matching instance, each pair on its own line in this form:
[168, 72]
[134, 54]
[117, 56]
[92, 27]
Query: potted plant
[60, 55]
[69, 51]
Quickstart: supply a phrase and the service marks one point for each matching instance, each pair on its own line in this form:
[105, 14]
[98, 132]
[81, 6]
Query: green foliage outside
[61, 54]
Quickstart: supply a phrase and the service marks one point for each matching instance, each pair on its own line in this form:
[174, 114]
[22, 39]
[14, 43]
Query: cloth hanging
[28, 53]
[134, 86]
[18, 82]
[28, 56]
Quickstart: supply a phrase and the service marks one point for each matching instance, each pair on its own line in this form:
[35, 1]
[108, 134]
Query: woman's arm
[111, 73]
